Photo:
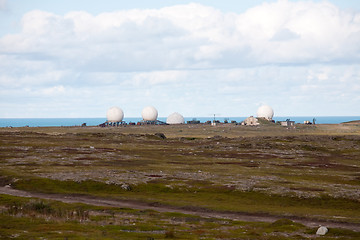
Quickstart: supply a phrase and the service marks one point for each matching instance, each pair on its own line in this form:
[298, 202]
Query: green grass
[28, 228]
[117, 223]
[269, 170]
[202, 195]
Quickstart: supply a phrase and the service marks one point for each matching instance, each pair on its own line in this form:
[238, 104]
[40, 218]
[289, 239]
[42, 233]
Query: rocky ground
[159, 163]
[306, 166]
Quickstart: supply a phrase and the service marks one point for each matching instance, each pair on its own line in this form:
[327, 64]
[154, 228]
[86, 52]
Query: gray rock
[322, 231]
[160, 135]
[126, 187]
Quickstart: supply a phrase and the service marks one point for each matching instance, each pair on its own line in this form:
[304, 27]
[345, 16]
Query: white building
[266, 112]
[251, 121]
[287, 123]
[175, 118]
[149, 113]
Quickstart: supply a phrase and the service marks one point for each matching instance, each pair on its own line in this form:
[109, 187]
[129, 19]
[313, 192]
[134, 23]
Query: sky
[79, 58]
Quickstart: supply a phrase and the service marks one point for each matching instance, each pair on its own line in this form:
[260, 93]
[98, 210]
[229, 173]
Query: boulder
[126, 187]
[160, 135]
[322, 231]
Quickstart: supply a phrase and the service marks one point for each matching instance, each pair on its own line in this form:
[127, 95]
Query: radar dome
[149, 113]
[175, 118]
[115, 114]
[266, 112]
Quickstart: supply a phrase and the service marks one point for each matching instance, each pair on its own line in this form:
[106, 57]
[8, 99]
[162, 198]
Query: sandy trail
[161, 208]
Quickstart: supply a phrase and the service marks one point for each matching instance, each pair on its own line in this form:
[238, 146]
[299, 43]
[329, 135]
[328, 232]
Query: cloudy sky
[65, 58]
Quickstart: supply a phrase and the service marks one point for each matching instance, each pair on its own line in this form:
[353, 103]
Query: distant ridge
[352, 122]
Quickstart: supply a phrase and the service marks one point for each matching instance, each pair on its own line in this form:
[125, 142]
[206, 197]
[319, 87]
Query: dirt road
[161, 208]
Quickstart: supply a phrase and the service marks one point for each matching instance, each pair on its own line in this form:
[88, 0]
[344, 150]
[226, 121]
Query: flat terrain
[184, 182]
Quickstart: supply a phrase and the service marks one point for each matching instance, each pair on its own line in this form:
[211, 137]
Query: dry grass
[307, 170]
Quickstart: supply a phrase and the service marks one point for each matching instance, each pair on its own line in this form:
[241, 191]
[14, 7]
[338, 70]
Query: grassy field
[306, 172]
[37, 219]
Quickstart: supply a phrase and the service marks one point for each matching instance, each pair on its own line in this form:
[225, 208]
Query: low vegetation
[307, 172]
[24, 218]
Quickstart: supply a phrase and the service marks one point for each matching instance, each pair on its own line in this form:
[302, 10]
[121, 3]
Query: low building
[250, 121]
[194, 121]
[287, 123]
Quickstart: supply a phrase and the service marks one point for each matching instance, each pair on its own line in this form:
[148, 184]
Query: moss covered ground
[304, 172]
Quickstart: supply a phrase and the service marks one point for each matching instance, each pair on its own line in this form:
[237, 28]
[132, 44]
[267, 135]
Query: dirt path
[161, 208]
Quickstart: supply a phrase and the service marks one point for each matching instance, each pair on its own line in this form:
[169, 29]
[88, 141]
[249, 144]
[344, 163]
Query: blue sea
[57, 122]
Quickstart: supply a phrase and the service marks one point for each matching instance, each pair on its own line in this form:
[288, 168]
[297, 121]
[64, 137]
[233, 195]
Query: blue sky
[79, 58]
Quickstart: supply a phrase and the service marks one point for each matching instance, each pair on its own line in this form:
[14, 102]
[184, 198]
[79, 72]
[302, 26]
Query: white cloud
[231, 92]
[191, 57]
[285, 35]
[53, 91]
[322, 32]
[158, 77]
[188, 36]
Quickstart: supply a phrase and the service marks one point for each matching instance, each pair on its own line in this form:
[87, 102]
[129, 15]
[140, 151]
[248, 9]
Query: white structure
[114, 115]
[322, 231]
[250, 121]
[175, 118]
[287, 123]
[266, 112]
[149, 113]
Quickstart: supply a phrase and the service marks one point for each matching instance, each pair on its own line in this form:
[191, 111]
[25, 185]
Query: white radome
[175, 118]
[115, 114]
[149, 113]
[266, 112]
